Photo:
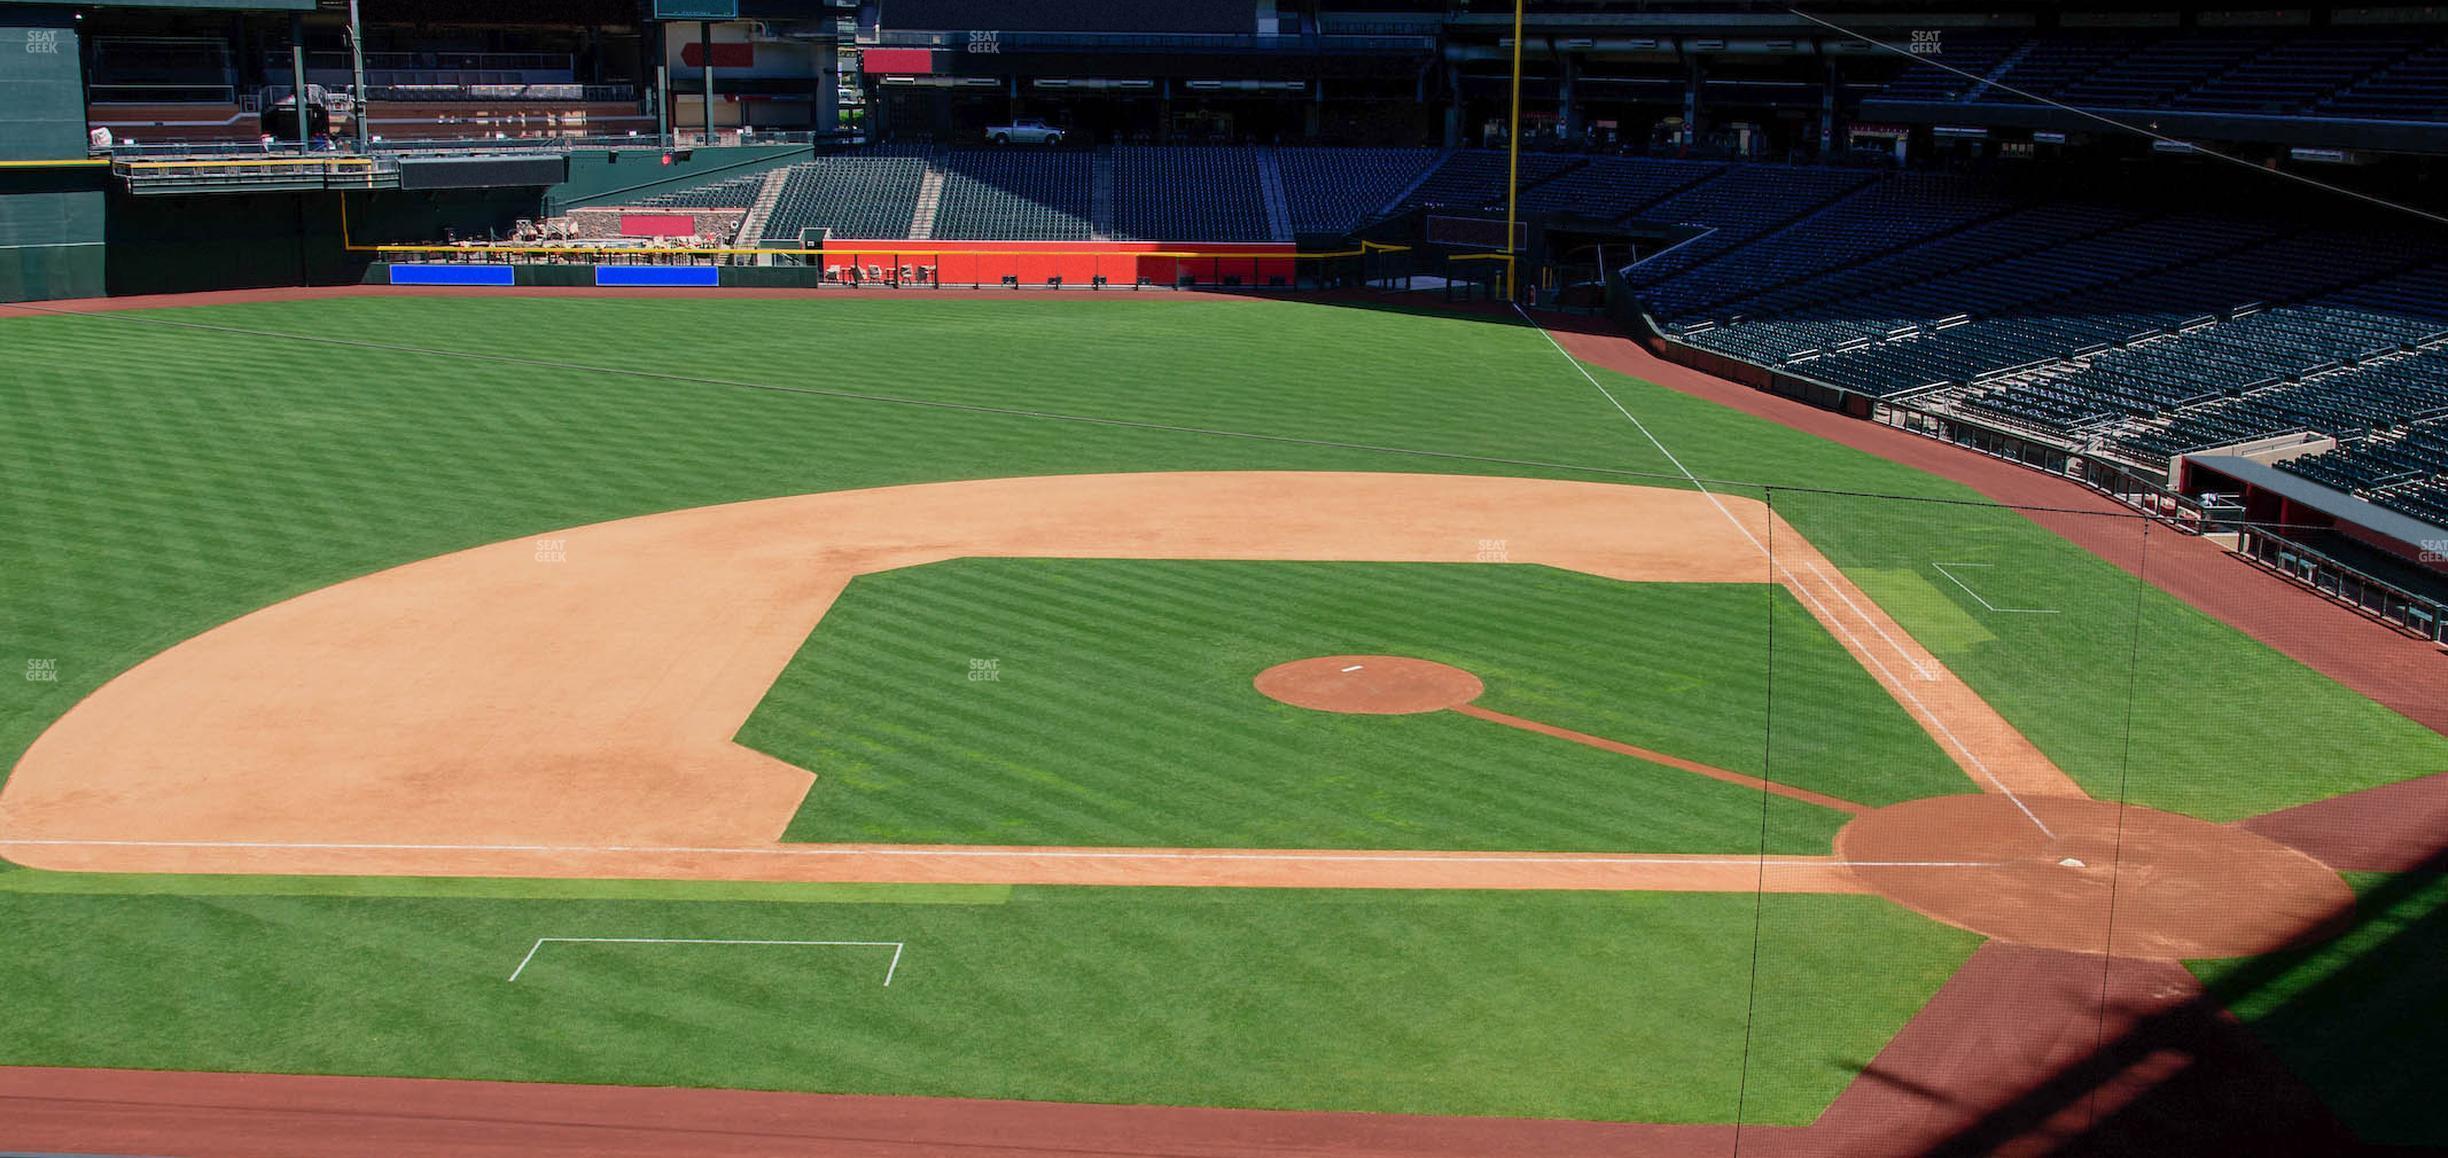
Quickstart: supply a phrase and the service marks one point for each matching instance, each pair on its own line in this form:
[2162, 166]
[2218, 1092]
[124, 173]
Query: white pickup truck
[1025, 131]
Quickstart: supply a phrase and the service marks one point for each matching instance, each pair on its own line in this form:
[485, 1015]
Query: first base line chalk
[890, 968]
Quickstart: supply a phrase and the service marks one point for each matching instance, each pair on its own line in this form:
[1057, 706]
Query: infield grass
[1121, 711]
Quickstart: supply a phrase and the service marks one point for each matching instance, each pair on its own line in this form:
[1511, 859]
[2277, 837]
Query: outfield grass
[1123, 712]
[196, 474]
[164, 479]
[1582, 1005]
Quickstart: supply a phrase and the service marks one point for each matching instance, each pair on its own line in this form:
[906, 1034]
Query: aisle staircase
[1271, 189]
[930, 198]
[751, 233]
[1101, 196]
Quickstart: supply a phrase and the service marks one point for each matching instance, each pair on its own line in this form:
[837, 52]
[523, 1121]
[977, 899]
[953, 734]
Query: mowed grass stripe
[309, 444]
[1558, 1005]
[1122, 710]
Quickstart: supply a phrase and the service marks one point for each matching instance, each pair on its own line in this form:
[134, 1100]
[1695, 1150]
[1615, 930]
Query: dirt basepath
[272, 1116]
[565, 707]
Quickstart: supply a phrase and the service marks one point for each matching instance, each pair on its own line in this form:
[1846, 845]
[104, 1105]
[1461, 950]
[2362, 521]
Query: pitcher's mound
[1377, 685]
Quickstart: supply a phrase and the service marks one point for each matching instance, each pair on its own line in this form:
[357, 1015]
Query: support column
[1453, 106]
[662, 90]
[705, 46]
[1568, 92]
[1827, 110]
[297, 77]
[1691, 99]
[827, 117]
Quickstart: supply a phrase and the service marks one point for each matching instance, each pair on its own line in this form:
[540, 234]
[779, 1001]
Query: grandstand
[1005, 194]
[1192, 193]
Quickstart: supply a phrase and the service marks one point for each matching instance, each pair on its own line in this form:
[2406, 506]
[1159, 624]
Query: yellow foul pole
[1513, 153]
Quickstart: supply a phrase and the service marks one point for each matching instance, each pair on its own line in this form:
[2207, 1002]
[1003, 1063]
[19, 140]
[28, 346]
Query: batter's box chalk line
[1952, 577]
[890, 968]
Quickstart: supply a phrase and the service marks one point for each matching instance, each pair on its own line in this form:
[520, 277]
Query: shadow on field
[2324, 1041]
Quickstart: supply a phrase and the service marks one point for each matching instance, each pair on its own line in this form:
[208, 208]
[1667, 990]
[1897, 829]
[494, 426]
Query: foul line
[532, 950]
[1826, 615]
[1051, 853]
[1967, 588]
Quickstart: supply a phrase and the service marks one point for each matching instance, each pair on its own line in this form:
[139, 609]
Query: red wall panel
[1078, 263]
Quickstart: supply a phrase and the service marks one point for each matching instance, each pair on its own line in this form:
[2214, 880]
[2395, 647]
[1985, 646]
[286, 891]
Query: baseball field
[1173, 701]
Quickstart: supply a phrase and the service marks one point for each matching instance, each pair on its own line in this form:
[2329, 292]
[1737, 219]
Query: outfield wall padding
[448, 273]
[700, 276]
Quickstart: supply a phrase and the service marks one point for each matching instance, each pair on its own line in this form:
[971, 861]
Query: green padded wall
[50, 219]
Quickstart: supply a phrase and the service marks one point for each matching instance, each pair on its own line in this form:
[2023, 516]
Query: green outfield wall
[51, 218]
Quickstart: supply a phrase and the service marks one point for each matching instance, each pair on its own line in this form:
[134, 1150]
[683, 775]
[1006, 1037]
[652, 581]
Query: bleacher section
[1614, 188]
[1737, 205]
[854, 195]
[732, 193]
[1005, 194]
[1475, 178]
[2404, 470]
[2111, 328]
[1334, 190]
[1883, 216]
[1189, 193]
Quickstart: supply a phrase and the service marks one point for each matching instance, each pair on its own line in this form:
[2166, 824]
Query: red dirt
[2030, 1051]
[1372, 685]
[2176, 887]
[274, 1116]
[2393, 828]
[1655, 757]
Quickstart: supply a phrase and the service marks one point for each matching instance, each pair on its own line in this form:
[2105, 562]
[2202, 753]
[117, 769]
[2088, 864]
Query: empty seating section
[2291, 76]
[1007, 193]
[854, 196]
[1334, 190]
[2022, 310]
[2378, 72]
[2213, 376]
[1886, 215]
[1189, 193]
[1737, 205]
[2152, 75]
[2415, 88]
[1940, 78]
[2405, 470]
[2045, 67]
[732, 193]
[1613, 188]
[2134, 333]
[1473, 178]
